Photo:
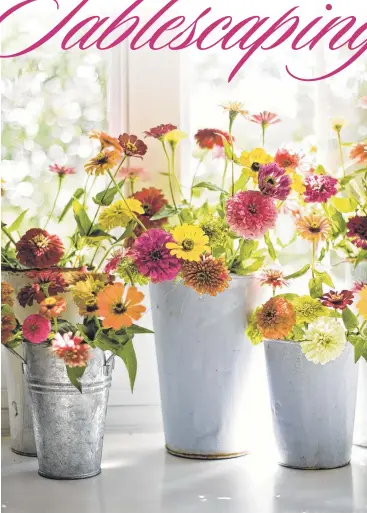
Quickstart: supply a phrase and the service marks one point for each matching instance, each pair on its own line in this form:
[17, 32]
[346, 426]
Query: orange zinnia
[276, 318]
[120, 309]
[314, 228]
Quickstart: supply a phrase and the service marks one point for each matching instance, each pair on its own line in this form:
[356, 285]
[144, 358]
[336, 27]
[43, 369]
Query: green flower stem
[8, 234]
[313, 258]
[263, 131]
[132, 186]
[56, 325]
[86, 190]
[116, 245]
[173, 149]
[231, 121]
[169, 175]
[130, 277]
[340, 144]
[133, 216]
[193, 180]
[94, 255]
[61, 177]
[88, 193]
[225, 172]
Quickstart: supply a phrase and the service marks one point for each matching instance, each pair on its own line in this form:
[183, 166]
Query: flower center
[40, 241]
[102, 159]
[255, 167]
[131, 147]
[324, 339]
[335, 298]
[156, 255]
[119, 308]
[188, 245]
[315, 228]
[252, 208]
[147, 209]
[270, 181]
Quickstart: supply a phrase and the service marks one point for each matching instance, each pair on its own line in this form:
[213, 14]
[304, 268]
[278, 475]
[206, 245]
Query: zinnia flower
[8, 325]
[338, 300]
[255, 158]
[286, 160]
[358, 286]
[52, 307]
[276, 318]
[37, 248]
[132, 146]
[274, 182]
[234, 109]
[324, 340]
[251, 214]
[357, 231]
[207, 138]
[337, 124]
[119, 306]
[85, 294]
[7, 294]
[134, 173]
[158, 132]
[308, 309]
[320, 188]
[274, 278]
[119, 214]
[359, 153]
[152, 200]
[208, 276]
[44, 283]
[362, 303]
[189, 242]
[265, 118]
[36, 328]
[106, 160]
[113, 261]
[314, 228]
[297, 181]
[62, 170]
[153, 259]
[71, 349]
[215, 228]
[106, 140]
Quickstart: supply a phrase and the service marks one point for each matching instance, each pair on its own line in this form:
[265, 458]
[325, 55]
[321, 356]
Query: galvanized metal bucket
[203, 362]
[313, 406]
[19, 402]
[360, 432]
[68, 425]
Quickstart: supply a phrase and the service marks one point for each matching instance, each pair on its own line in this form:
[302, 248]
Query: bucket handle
[109, 364]
[17, 355]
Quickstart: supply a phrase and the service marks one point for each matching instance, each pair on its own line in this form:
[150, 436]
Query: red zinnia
[44, 283]
[37, 248]
[285, 159]
[207, 138]
[337, 300]
[132, 146]
[158, 132]
[152, 200]
[357, 227]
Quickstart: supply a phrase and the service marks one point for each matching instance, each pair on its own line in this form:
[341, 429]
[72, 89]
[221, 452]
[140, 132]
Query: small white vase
[203, 363]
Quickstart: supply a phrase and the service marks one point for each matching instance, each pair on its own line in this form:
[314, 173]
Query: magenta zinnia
[37, 248]
[337, 300]
[251, 214]
[357, 227]
[71, 349]
[153, 259]
[320, 188]
[274, 182]
[36, 329]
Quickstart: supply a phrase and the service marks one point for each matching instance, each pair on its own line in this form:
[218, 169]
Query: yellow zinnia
[362, 304]
[120, 213]
[190, 242]
[297, 181]
[254, 159]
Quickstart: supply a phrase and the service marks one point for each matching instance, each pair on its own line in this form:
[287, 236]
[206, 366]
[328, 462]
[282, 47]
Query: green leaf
[128, 231]
[82, 219]
[166, 211]
[338, 222]
[247, 248]
[299, 273]
[270, 246]
[320, 170]
[347, 179]
[210, 187]
[360, 346]
[75, 374]
[128, 355]
[345, 205]
[15, 226]
[241, 183]
[138, 330]
[77, 194]
[349, 319]
[106, 197]
[255, 266]
[315, 286]
[325, 278]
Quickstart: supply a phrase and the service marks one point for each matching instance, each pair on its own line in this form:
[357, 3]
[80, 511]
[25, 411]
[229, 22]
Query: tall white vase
[203, 363]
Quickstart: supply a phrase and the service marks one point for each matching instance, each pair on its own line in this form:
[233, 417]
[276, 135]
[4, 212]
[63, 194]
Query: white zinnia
[324, 340]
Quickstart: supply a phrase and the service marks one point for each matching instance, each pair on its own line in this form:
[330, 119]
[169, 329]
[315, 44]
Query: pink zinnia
[153, 259]
[320, 188]
[71, 349]
[251, 214]
[357, 231]
[62, 170]
[286, 159]
[273, 182]
[36, 329]
[134, 173]
[114, 261]
[158, 132]
[265, 118]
